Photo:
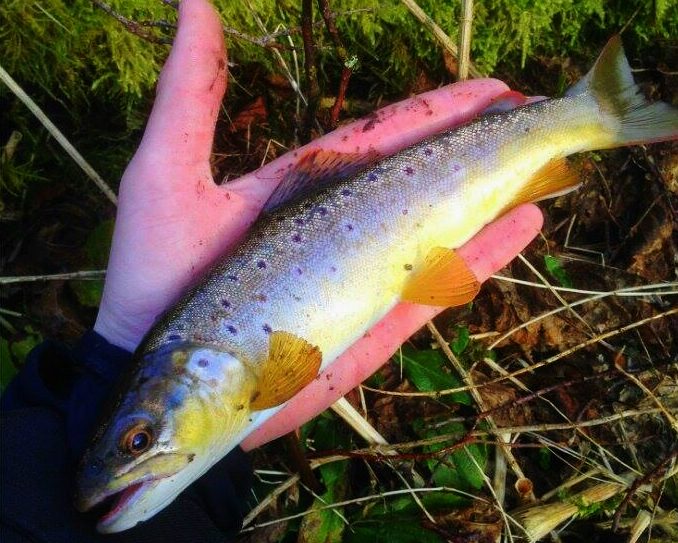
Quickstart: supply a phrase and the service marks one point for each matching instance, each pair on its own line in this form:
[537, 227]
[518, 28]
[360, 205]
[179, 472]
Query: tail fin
[611, 84]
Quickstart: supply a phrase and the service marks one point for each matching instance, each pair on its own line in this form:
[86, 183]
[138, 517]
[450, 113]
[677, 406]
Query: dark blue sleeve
[47, 414]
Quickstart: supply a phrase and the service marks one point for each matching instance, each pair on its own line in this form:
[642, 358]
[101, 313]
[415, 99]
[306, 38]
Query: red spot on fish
[409, 171]
[344, 138]
[331, 388]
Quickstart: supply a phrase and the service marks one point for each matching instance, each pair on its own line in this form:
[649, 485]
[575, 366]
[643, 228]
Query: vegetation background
[94, 79]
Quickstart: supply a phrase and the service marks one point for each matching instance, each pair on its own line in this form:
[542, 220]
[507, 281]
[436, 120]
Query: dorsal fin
[315, 170]
[292, 364]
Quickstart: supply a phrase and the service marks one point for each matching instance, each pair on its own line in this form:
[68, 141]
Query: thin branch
[310, 67]
[439, 34]
[465, 38]
[131, 26]
[640, 481]
[57, 135]
[513, 463]
[94, 274]
[346, 69]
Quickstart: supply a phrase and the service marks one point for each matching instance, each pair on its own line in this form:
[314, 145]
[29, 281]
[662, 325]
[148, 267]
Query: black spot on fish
[299, 271]
[232, 277]
[346, 192]
[322, 211]
[296, 238]
[203, 362]
[405, 212]
[349, 227]
[267, 328]
[260, 297]
[428, 152]
[232, 329]
[527, 129]
[408, 267]
[261, 265]
[239, 407]
[280, 218]
[409, 170]
[333, 268]
[308, 206]
[298, 221]
[372, 177]
[173, 337]
[225, 303]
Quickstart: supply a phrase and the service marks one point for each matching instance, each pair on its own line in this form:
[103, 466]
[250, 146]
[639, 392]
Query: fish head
[171, 420]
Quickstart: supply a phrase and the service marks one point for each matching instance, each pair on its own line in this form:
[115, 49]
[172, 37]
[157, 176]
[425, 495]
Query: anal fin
[553, 179]
[292, 363]
[444, 279]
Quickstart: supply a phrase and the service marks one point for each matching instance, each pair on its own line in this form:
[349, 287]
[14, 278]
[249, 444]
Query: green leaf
[555, 267]
[405, 531]
[7, 368]
[88, 292]
[428, 372]
[20, 349]
[325, 525]
[98, 244]
[544, 456]
[462, 341]
[405, 505]
[457, 469]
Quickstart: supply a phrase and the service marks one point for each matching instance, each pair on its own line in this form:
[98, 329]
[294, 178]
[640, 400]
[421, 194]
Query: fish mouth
[110, 506]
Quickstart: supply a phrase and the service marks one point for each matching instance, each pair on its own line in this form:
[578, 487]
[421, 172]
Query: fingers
[386, 131]
[490, 250]
[192, 83]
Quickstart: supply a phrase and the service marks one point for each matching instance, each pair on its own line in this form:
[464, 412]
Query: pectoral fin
[292, 363]
[444, 279]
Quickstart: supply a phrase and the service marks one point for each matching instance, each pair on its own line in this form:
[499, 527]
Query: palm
[173, 221]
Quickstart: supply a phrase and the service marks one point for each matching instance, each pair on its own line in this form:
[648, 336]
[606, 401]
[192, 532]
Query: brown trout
[328, 259]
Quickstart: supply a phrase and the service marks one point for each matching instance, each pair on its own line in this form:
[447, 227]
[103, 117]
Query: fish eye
[136, 440]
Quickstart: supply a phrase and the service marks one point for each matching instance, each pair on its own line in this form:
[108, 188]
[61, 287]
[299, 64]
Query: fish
[340, 242]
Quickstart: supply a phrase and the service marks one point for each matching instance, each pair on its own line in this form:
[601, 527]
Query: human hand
[173, 221]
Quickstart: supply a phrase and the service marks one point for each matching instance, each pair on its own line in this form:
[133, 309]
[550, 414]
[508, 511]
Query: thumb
[180, 129]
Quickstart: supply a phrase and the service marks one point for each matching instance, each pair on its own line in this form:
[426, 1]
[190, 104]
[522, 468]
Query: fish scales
[316, 273]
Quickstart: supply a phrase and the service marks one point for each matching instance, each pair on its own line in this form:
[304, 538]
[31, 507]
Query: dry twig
[57, 135]
[439, 34]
